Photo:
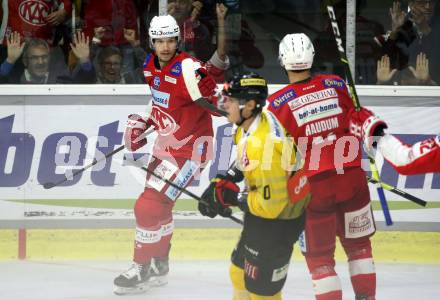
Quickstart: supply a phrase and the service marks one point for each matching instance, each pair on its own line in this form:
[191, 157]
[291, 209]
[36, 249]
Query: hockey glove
[134, 129]
[366, 126]
[212, 207]
[206, 83]
[226, 192]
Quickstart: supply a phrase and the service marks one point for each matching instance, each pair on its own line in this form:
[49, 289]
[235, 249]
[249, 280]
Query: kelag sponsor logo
[283, 98]
[160, 98]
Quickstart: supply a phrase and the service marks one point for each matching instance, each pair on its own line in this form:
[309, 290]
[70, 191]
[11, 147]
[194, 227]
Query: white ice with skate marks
[195, 280]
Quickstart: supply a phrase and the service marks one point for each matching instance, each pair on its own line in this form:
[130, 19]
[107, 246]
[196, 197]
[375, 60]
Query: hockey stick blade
[189, 77]
[396, 191]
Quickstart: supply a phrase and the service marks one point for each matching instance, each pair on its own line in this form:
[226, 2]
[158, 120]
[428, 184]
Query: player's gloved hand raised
[206, 83]
[134, 129]
[211, 207]
[366, 126]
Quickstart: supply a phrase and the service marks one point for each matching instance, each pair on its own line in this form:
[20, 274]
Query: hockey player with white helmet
[313, 109]
[179, 152]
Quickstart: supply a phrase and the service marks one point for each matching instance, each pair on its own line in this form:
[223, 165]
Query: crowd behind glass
[106, 41]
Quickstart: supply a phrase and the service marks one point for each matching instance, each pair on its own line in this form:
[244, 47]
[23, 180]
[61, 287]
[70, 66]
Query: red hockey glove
[206, 83]
[367, 126]
[134, 129]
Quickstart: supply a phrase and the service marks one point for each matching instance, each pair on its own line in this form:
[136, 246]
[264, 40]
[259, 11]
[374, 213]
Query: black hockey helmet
[247, 86]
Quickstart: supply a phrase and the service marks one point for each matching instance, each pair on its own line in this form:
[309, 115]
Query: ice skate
[132, 281]
[159, 269]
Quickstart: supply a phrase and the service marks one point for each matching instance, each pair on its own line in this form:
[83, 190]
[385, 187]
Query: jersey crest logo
[156, 82]
[165, 123]
[34, 12]
[176, 69]
[334, 83]
[283, 98]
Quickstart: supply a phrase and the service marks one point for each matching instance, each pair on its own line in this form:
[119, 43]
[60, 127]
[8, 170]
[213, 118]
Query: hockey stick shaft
[185, 191]
[49, 185]
[396, 191]
[355, 98]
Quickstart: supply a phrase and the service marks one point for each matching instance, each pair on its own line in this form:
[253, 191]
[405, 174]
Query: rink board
[81, 128]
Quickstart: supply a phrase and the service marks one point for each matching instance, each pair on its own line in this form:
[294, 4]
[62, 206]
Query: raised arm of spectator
[219, 62]
[84, 72]
[15, 46]
[98, 34]
[221, 11]
[397, 15]
[139, 52]
[59, 16]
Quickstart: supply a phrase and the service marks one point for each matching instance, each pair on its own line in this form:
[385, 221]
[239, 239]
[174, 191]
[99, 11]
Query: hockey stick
[189, 77]
[355, 98]
[396, 191]
[182, 189]
[49, 185]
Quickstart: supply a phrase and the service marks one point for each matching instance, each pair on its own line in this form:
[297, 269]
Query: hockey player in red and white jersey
[182, 146]
[313, 109]
[422, 157]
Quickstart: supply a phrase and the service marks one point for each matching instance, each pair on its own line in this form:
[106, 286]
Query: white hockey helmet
[296, 52]
[163, 27]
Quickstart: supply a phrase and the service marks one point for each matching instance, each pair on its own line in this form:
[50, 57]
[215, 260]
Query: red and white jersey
[422, 157]
[184, 128]
[28, 17]
[314, 112]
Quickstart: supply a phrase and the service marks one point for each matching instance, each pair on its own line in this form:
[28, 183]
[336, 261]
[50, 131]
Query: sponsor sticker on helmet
[253, 82]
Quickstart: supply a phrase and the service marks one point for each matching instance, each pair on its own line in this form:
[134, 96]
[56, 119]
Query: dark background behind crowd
[105, 41]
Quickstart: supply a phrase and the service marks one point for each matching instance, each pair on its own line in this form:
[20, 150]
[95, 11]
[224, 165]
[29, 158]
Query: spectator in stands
[410, 49]
[36, 59]
[109, 68]
[105, 20]
[196, 37]
[366, 49]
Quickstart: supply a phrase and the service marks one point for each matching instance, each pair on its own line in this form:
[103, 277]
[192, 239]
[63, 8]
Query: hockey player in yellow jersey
[273, 214]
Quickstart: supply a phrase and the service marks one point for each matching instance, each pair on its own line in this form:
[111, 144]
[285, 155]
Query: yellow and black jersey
[265, 155]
